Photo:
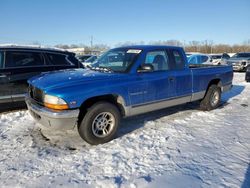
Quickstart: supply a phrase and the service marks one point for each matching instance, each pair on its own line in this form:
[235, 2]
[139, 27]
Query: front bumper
[59, 120]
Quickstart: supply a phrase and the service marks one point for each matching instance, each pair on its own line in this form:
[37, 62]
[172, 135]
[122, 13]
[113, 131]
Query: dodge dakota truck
[123, 82]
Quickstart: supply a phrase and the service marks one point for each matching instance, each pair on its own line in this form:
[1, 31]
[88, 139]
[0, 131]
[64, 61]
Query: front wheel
[212, 98]
[100, 123]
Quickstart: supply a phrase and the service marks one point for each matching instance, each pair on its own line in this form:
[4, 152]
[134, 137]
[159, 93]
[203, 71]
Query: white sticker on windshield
[133, 51]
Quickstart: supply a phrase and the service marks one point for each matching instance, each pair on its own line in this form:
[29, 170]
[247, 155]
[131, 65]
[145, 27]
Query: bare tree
[206, 46]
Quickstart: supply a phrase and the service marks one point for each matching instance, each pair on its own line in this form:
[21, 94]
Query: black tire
[96, 113]
[209, 102]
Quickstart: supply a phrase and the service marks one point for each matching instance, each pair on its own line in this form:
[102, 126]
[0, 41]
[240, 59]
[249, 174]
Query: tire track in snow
[179, 142]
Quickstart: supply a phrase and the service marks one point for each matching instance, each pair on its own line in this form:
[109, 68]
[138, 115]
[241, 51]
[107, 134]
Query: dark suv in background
[17, 64]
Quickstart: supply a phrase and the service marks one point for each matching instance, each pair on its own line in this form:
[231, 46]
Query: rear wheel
[212, 98]
[100, 123]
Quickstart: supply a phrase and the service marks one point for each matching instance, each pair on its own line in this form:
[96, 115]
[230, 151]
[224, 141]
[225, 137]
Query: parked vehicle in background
[248, 73]
[231, 54]
[123, 82]
[89, 61]
[218, 59]
[239, 61]
[199, 59]
[83, 58]
[188, 54]
[225, 56]
[19, 63]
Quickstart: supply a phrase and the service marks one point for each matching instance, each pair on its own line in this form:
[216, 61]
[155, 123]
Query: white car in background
[218, 59]
[198, 58]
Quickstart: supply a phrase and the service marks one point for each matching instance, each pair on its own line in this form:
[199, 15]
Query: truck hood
[64, 78]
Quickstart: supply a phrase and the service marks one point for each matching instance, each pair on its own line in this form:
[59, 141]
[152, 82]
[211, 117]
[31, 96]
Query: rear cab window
[178, 59]
[23, 59]
[58, 59]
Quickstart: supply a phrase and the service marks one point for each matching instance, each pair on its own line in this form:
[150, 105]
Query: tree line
[206, 46]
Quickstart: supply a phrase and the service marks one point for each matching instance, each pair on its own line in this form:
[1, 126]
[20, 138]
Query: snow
[175, 147]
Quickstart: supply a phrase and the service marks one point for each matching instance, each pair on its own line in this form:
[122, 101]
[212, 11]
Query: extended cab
[123, 82]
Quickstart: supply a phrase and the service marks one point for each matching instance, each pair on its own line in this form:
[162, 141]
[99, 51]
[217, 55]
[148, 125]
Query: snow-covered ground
[174, 147]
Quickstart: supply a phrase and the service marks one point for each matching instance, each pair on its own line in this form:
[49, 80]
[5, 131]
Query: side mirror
[146, 68]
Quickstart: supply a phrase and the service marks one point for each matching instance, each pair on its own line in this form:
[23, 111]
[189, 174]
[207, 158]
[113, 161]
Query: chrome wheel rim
[215, 98]
[103, 124]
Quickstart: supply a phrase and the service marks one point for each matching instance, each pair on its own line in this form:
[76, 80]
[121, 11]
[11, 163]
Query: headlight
[54, 102]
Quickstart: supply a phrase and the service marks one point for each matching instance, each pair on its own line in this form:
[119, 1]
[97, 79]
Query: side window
[24, 59]
[204, 58]
[59, 59]
[178, 58]
[1, 60]
[158, 59]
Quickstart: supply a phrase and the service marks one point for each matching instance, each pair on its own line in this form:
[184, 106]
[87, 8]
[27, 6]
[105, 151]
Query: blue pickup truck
[123, 82]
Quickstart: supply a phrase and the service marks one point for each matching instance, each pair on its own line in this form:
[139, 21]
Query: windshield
[241, 55]
[116, 60]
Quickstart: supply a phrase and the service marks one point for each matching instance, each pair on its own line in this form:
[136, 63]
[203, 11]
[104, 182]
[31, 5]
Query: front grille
[36, 94]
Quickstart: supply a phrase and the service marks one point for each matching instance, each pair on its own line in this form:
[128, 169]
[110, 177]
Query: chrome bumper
[60, 120]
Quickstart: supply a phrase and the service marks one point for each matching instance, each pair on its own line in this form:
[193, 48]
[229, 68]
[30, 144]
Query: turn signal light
[57, 106]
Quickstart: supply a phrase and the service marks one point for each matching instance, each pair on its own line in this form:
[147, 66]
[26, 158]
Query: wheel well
[111, 98]
[214, 82]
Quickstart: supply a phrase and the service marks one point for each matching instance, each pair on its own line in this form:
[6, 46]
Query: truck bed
[204, 73]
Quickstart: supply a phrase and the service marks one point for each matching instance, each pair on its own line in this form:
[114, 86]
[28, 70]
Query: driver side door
[156, 86]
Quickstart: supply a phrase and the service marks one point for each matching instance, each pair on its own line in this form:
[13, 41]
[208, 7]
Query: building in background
[83, 51]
